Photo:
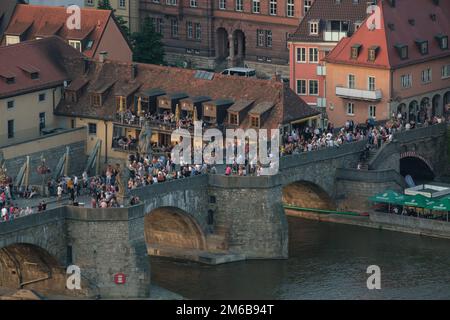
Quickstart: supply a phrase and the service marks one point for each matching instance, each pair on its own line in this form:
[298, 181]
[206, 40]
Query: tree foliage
[147, 44]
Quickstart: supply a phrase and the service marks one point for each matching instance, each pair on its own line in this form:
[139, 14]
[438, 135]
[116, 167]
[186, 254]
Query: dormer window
[96, 99]
[443, 41]
[314, 28]
[12, 40]
[402, 50]
[34, 75]
[76, 44]
[355, 49]
[10, 80]
[423, 46]
[254, 121]
[373, 53]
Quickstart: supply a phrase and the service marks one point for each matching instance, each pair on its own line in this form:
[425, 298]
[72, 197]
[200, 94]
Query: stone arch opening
[27, 266]
[222, 43]
[417, 167]
[172, 228]
[424, 110]
[305, 194]
[239, 44]
[413, 109]
[436, 106]
[447, 103]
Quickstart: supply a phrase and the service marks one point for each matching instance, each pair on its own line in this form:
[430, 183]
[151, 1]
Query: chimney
[102, 56]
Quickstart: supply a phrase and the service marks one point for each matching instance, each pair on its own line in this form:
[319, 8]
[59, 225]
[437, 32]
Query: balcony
[334, 36]
[348, 93]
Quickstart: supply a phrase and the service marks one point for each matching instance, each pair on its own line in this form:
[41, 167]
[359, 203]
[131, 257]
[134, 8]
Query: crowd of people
[166, 117]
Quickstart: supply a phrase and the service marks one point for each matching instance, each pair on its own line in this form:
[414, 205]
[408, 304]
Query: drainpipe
[106, 141]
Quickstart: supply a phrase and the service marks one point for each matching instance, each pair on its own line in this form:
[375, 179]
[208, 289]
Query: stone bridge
[208, 218]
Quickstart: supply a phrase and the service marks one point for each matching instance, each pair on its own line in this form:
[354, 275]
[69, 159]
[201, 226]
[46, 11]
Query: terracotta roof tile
[44, 21]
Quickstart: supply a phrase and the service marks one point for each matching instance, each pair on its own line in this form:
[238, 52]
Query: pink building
[324, 25]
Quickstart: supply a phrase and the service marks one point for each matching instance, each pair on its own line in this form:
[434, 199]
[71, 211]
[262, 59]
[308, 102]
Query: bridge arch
[173, 228]
[417, 166]
[306, 194]
[28, 266]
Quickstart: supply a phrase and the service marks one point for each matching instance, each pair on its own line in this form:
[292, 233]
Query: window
[313, 87]
[256, 7]
[222, 4]
[371, 84]
[198, 31]
[351, 81]
[193, 3]
[307, 5]
[171, 2]
[90, 2]
[372, 54]
[355, 51]
[314, 28]
[239, 5]
[233, 118]
[301, 87]
[157, 25]
[10, 129]
[174, 28]
[290, 8]
[122, 3]
[426, 75]
[96, 99]
[254, 121]
[41, 120]
[350, 109]
[12, 40]
[34, 75]
[444, 43]
[264, 38]
[76, 44]
[423, 47]
[372, 112]
[313, 55]
[10, 104]
[402, 51]
[269, 38]
[301, 55]
[190, 31]
[273, 7]
[92, 128]
[406, 81]
[445, 71]
[41, 97]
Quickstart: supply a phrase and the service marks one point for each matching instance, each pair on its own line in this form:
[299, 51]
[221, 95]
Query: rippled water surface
[326, 261]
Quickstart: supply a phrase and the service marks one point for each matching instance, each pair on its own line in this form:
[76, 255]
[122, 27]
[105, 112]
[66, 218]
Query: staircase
[371, 155]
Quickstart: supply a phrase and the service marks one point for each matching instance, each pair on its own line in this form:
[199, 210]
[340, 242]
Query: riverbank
[382, 221]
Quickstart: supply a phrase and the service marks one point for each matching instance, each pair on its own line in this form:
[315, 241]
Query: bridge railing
[290, 161]
[404, 137]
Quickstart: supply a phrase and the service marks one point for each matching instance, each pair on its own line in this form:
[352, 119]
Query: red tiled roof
[45, 56]
[45, 21]
[327, 10]
[396, 29]
[287, 105]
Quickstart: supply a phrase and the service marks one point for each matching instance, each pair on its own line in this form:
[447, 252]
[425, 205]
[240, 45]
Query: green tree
[106, 5]
[147, 44]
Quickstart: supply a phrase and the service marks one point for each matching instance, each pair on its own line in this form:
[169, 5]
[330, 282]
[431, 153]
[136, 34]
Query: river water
[326, 261]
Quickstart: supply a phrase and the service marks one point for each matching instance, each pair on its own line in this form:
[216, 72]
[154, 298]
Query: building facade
[324, 25]
[222, 33]
[98, 31]
[398, 61]
[127, 9]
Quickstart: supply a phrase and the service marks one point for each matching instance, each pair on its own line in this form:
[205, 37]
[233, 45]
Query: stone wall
[354, 187]
[253, 214]
[52, 153]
